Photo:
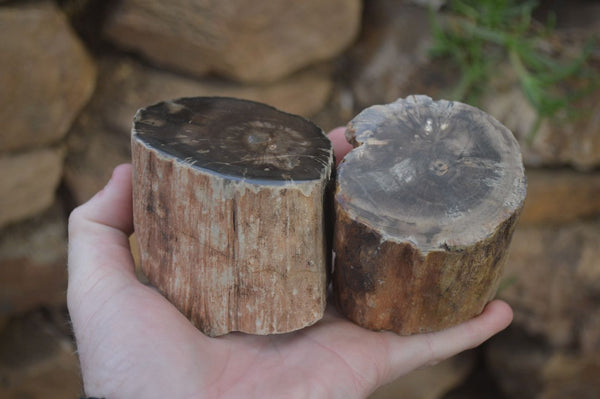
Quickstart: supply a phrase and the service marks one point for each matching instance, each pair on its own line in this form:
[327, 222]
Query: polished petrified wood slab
[425, 205]
[228, 211]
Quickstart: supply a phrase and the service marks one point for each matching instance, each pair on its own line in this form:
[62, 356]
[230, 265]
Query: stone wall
[74, 72]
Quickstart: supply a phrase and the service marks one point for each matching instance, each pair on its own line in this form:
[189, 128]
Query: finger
[431, 348]
[98, 231]
[340, 146]
[111, 206]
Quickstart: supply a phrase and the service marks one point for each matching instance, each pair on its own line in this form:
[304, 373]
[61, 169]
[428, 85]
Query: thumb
[100, 261]
[340, 146]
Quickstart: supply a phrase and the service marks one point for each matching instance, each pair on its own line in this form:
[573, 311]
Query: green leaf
[477, 35]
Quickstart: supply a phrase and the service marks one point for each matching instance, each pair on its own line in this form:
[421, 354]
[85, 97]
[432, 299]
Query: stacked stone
[46, 76]
[67, 121]
[552, 275]
[552, 281]
[233, 48]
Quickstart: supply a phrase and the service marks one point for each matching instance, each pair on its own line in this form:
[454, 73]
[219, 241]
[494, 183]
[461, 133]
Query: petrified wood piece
[426, 204]
[228, 211]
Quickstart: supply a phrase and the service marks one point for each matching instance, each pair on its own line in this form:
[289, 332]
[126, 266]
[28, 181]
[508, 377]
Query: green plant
[479, 34]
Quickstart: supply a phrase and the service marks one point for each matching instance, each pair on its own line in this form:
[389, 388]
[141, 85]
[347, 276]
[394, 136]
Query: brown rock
[33, 256]
[259, 262]
[392, 48]
[94, 151]
[124, 86]
[555, 282]
[560, 196]
[526, 367]
[247, 41]
[392, 57]
[589, 335]
[516, 361]
[390, 60]
[45, 74]
[430, 382]
[574, 142]
[100, 137]
[569, 376]
[434, 4]
[28, 182]
[578, 20]
[37, 361]
[339, 108]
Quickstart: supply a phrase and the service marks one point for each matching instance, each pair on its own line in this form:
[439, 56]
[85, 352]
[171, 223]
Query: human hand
[133, 343]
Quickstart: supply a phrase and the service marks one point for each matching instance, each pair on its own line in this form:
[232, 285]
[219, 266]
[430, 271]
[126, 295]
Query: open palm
[133, 343]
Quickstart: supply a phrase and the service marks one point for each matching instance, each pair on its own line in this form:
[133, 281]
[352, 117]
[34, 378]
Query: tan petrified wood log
[425, 204]
[228, 212]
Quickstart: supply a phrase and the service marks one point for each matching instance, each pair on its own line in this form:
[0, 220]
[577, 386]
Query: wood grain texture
[425, 208]
[228, 210]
